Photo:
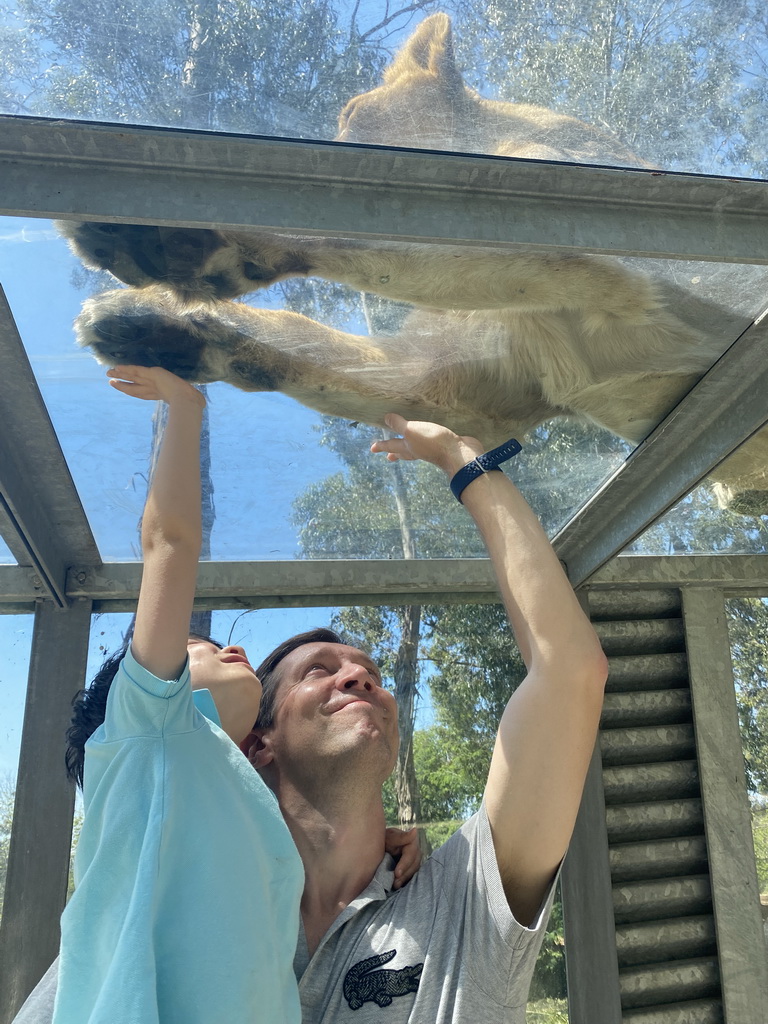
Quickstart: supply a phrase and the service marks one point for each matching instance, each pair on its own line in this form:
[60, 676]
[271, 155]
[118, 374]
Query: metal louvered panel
[641, 636]
[665, 819]
[661, 859]
[647, 744]
[661, 890]
[647, 672]
[607, 605]
[700, 1011]
[648, 707]
[659, 941]
[662, 983]
[642, 783]
[651, 899]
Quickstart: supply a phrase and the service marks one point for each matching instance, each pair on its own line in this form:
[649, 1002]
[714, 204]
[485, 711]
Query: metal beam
[114, 586]
[725, 408]
[727, 821]
[167, 176]
[41, 518]
[591, 956]
[38, 857]
[302, 583]
[590, 931]
[731, 573]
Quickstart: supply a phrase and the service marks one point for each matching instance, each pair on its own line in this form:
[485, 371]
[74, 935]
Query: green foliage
[748, 627]
[547, 1011]
[283, 68]
[760, 834]
[7, 794]
[667, 76]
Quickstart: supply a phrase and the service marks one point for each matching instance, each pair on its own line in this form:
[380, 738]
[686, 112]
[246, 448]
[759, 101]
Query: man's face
[332, 707]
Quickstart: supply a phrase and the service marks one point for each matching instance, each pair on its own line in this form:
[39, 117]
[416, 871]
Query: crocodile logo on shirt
[364, 983]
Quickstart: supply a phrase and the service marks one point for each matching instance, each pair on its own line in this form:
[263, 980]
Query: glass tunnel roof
[679, 91]
[290, 482]
[677, 85]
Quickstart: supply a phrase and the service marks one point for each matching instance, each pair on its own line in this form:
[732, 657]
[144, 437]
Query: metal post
[591, 958]
[590, 933]
[735, 892]
[38, 861]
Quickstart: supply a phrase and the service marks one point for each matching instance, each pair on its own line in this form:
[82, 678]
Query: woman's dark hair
[270, 677]
[89, 707]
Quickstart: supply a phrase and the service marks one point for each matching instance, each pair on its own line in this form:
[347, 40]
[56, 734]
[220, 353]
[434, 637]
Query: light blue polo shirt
[186, 906]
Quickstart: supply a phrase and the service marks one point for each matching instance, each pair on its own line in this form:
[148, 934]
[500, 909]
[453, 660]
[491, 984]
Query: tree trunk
[406, 670]
[406, 685]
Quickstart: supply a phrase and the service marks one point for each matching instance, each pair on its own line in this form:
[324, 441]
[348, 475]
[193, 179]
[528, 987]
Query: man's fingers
[126, 386]
[396, 422]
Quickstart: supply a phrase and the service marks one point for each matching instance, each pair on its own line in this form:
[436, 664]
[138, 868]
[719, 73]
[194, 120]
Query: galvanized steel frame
[41, 518]
[114, 586]
[92, 171]
[38, 861]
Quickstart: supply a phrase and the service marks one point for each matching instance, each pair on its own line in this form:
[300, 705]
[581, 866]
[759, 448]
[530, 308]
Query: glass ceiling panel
[288, 481]
[700, 525]
[678, 84]
[6, 558]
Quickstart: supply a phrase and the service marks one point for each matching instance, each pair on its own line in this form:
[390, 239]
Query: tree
[667, 76]
[748, 626]
[7, 796]
[7, 800]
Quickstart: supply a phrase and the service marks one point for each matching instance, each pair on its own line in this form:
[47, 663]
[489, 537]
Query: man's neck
[341, 844]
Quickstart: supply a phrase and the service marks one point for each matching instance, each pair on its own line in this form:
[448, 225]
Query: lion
[497, 342]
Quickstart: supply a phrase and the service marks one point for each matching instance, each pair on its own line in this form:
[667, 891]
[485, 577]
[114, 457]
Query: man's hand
[428, 442]
[152, 383]
[404, 847]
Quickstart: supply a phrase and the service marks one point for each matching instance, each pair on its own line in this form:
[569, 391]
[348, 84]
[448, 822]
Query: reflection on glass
[576, 81]
[748, 630]
[728, 514]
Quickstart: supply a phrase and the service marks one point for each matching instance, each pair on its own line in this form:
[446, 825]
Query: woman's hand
[404, 847]
[152, 383]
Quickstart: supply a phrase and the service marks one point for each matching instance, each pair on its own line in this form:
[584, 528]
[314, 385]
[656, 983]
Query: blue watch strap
[484, 463]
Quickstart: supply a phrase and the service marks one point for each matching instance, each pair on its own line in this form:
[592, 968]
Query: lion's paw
[125, 327]
[192, 263]
[142, 255]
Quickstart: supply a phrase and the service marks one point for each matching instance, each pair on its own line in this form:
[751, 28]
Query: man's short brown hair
[269, 676]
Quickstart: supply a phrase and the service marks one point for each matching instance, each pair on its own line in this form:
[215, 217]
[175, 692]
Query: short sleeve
[140, 704]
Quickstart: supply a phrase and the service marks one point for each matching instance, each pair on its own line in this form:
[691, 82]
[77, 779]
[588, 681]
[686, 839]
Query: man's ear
[256, 750]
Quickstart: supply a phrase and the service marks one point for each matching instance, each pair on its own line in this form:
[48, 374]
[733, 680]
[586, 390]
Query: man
[459, 942]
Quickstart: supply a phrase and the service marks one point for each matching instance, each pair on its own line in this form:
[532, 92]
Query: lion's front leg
[467, 278]
[254, 350]
[193, 263]
[203, 343]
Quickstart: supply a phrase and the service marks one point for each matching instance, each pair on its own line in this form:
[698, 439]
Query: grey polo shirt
[443, 950]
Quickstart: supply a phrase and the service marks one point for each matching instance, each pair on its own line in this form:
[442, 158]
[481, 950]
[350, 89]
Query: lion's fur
[500, 341]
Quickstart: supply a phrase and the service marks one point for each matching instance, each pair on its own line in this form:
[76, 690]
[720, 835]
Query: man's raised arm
[548, 729]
